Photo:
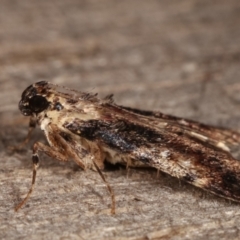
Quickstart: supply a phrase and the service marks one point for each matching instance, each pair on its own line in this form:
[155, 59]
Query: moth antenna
[108, 187]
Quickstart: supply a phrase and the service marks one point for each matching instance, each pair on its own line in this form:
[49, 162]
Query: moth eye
[38, 103]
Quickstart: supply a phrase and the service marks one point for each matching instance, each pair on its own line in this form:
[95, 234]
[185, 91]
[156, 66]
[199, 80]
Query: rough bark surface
[179, 57]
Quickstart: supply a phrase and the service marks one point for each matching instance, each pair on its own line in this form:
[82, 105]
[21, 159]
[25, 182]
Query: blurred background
[180, 57]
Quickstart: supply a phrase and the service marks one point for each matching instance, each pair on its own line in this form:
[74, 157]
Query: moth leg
[110, 190]
[84, 160]
[51, 152]
[55, 139]
[31, 127]
[96, 157]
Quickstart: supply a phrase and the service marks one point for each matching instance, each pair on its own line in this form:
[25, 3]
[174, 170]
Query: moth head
[34, 99]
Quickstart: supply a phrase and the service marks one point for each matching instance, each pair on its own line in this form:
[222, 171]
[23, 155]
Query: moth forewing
[91, 131]
[221, 137]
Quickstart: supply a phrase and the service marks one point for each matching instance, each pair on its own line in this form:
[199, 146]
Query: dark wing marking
[181, 156]
[217, 134]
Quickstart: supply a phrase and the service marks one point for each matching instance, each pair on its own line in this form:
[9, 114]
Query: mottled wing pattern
[82, 127]
[220, 137]
[169, 147]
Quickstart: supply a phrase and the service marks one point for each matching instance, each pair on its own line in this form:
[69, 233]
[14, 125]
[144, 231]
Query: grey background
[179, 57]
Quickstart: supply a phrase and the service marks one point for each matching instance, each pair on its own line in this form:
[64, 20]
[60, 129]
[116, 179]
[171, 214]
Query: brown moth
[82, 127]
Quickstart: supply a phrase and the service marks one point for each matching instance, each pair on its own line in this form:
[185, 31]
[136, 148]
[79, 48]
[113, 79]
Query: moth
[91, 131]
